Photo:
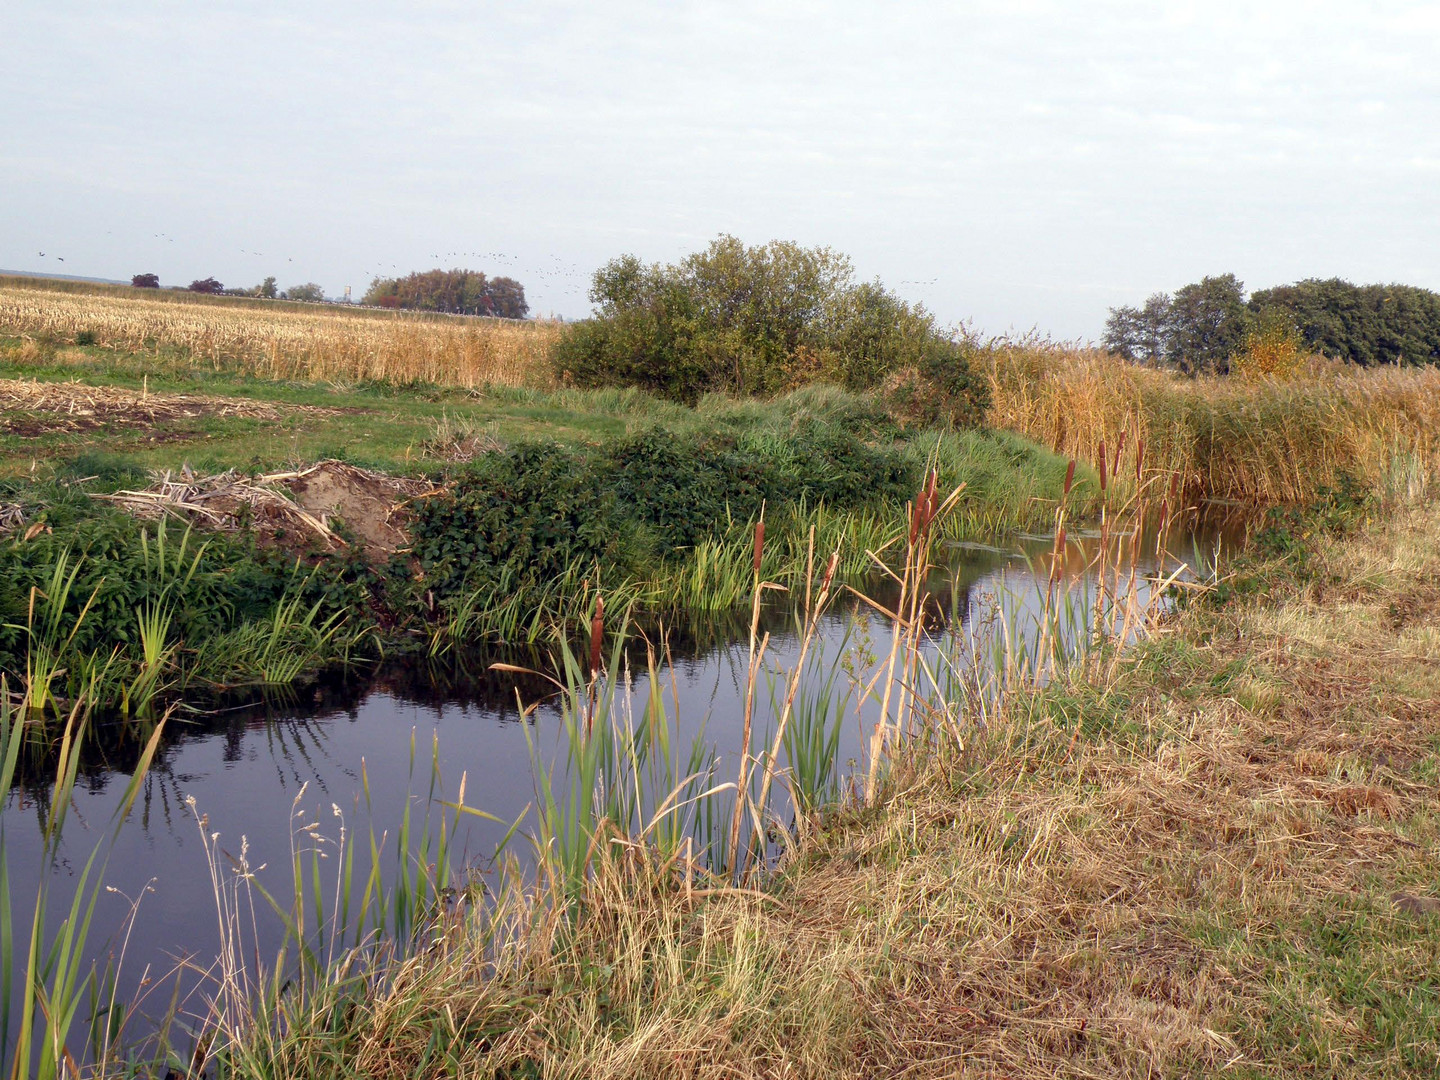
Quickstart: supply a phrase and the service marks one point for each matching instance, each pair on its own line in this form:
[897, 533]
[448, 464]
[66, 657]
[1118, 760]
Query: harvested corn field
[286, 341]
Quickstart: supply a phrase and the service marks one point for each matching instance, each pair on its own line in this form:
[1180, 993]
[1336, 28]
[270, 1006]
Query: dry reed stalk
[812, 623]
[1266, 441]
[756, 657]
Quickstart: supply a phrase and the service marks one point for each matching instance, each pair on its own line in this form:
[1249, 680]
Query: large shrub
[518, 518]
[754, 320]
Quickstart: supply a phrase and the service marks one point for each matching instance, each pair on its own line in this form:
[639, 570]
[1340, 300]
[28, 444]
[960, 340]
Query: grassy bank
[494, 516]
[1219, 857]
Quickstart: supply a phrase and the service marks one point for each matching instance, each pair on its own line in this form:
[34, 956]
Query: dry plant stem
[742, 783]
[812, 621]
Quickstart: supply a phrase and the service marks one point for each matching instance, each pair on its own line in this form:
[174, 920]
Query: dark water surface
[250, 771]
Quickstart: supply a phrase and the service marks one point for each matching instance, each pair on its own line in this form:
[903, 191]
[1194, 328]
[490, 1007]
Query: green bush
[520, 518]
[756, 321]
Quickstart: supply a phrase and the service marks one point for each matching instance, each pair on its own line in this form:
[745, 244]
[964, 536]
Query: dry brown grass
[285, 341]
[1258, 439]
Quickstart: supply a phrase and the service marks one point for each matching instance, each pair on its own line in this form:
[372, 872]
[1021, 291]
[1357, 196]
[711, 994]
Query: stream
[355, 751]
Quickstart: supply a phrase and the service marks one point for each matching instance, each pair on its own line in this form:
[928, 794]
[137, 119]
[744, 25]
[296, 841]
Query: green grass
[388, 427]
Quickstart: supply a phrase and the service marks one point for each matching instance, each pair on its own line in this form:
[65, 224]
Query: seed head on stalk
[597, 636]
[1103, 483]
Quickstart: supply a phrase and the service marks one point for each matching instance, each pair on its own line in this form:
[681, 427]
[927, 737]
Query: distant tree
[759, 319]
[1141, 334]
[207, 285]
[1196, 330]
[1364, 324]
[146, 281]
[309, 292]
[458, 292]
[1208, 322]
[268, 290]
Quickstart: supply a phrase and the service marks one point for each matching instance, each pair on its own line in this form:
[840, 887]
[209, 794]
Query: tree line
[458, 292]
[1207, 325]
[267, 289]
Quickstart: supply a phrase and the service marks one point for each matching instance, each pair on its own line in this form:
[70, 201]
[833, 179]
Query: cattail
[1103, 458]
[1069, 477]
[830, 568]
[1139, 458]
[915, 511]
[932, 496]
[759, 544]
[597, 636]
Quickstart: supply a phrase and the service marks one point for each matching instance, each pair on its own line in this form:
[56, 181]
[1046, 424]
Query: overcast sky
[1015, 164]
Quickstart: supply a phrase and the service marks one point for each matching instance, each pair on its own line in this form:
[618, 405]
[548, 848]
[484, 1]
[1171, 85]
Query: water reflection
[363, 744]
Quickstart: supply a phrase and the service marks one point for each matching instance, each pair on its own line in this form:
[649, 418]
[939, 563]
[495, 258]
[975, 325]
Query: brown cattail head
[1119, 449]
[1103, 458]
[916, 510]
[759, 544]
[830, 569]
[597, 636]
[1139, 458]
[1069, 477]
[932, 496]
[1174, 486]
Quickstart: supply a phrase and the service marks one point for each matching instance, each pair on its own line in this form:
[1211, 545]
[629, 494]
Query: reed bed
[1264, 440]
[287, 341]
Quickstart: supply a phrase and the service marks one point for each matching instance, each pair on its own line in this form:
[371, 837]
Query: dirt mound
[371, 504]
[31, 408]
[297, 508]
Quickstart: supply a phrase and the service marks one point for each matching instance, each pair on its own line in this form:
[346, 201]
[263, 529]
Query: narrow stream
[356, 752]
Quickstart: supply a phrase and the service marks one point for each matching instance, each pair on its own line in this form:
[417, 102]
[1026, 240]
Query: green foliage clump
[118, 571]
[1363, 324]
[522, 518]
[757, 320]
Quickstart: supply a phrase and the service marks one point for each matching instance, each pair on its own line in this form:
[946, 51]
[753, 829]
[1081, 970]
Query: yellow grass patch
[1258, 439]
[283, 341]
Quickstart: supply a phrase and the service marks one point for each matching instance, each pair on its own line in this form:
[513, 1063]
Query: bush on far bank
[757, 321]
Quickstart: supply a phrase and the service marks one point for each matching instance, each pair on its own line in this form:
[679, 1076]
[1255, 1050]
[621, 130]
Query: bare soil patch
[371, 504]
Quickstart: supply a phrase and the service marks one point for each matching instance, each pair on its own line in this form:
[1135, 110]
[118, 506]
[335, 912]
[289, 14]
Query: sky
[1014, 165]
